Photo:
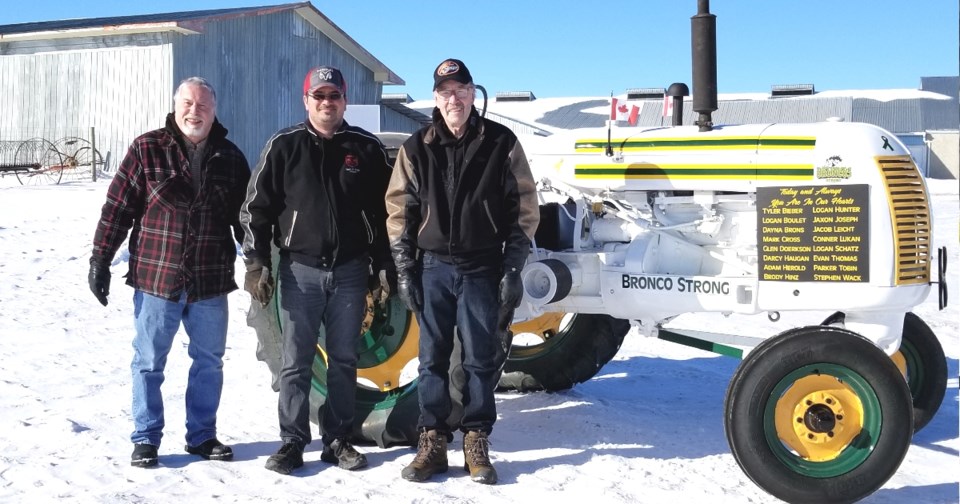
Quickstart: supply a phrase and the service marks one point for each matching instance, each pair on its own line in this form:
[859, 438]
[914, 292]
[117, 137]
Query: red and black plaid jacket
[181, 240]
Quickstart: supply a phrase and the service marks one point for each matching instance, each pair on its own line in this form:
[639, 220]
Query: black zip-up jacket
[493, 214]
[319, 200]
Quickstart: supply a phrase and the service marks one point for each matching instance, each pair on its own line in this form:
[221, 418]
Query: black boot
[144, 455]
[342, 453]
[288, 458]
[211, 449]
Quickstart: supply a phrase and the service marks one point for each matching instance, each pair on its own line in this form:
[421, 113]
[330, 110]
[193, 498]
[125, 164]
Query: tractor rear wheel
[556, 351]
[386, 394]
[922, 361]
[566, 350]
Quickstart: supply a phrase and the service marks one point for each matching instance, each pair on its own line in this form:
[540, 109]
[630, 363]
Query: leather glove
[382, 285]
[511, 288]
[99, 278]
[259, 282]
[410, 290]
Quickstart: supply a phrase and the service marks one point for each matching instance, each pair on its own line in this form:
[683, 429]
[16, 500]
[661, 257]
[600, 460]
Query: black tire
[926, 367]
[921, 359]
[569, 349]
[791, 416]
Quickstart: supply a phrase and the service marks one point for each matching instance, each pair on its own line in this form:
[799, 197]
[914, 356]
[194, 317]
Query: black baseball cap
[451, 69]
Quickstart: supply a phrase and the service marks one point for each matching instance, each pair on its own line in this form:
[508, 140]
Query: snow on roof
[535, 112]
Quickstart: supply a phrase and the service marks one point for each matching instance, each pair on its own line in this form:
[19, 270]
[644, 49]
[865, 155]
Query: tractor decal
[803, 171]
[695, 143]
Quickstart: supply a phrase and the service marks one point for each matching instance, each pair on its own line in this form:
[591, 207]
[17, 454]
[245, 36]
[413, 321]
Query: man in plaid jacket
[177, 192]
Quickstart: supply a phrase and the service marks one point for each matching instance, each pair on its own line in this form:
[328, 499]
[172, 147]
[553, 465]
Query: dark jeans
[310, 297]
[468, 302]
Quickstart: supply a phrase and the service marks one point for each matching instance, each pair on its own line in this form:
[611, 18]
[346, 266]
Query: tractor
[639, 226]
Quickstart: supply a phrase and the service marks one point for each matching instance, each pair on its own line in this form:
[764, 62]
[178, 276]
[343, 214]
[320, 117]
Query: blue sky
[582, 48]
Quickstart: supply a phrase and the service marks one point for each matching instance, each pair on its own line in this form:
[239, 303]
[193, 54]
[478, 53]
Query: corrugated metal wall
[518, 127]
[897, 116]
[257, 64]
[123, 85]
[753, 112]
[121, 92]
[938, 115]
[394, 121]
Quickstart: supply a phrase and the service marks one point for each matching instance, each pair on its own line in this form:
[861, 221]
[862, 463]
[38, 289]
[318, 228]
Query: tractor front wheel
[818, 414]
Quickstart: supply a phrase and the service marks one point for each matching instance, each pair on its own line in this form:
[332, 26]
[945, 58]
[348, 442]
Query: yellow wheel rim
[542, 327]
[818, 416]
[901, 362]
[381, 366]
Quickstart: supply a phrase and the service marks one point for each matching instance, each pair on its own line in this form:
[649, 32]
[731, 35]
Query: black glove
[382, 285]
[511, 288]
[259, 282]
[99, 278]
[410, 290]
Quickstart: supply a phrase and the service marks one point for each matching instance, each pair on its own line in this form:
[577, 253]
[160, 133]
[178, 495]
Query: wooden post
[93, 153]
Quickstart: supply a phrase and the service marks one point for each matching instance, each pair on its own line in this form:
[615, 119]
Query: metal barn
[117, 75]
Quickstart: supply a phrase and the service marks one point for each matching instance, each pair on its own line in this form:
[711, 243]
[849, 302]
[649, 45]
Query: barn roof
[190, 23]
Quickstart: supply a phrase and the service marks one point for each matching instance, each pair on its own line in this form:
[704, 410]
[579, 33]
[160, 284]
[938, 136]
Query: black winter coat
[319, 200]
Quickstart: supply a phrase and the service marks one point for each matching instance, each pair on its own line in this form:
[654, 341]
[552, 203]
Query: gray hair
[196, 81]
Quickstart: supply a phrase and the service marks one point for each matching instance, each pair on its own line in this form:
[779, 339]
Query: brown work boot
[431, 457]
[476, 458]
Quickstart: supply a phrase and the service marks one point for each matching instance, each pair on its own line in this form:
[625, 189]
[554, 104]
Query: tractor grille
[911, 219]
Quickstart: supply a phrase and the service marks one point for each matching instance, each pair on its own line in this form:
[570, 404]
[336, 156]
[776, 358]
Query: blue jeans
[337, 299]
[470, 303]
[157, 320]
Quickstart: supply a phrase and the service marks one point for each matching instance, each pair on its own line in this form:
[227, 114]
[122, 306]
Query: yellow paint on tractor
[814, 391]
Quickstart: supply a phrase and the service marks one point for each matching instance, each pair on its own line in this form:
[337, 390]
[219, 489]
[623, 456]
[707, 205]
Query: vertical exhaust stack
[703, 30]
[676, 92]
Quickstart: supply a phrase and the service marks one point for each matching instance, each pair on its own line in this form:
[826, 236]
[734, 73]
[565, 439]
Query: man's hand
[259, 282]
[99, 278]
[511, 288]
[410, 290]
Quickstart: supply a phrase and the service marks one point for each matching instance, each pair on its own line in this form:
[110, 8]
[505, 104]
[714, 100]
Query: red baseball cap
[323, 76]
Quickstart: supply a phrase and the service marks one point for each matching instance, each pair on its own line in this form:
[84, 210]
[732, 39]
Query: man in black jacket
[462, 213]
[317, 195]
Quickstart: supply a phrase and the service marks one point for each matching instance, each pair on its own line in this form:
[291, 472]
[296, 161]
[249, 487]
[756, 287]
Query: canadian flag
[634, 115]
[667, 106]
[622, 112]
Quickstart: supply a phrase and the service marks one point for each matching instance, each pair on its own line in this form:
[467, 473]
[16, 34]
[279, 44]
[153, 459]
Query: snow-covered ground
[647, 429]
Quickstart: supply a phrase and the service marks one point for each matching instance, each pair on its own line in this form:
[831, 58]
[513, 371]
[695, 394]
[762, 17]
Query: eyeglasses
[331, 96]
[461, 93]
